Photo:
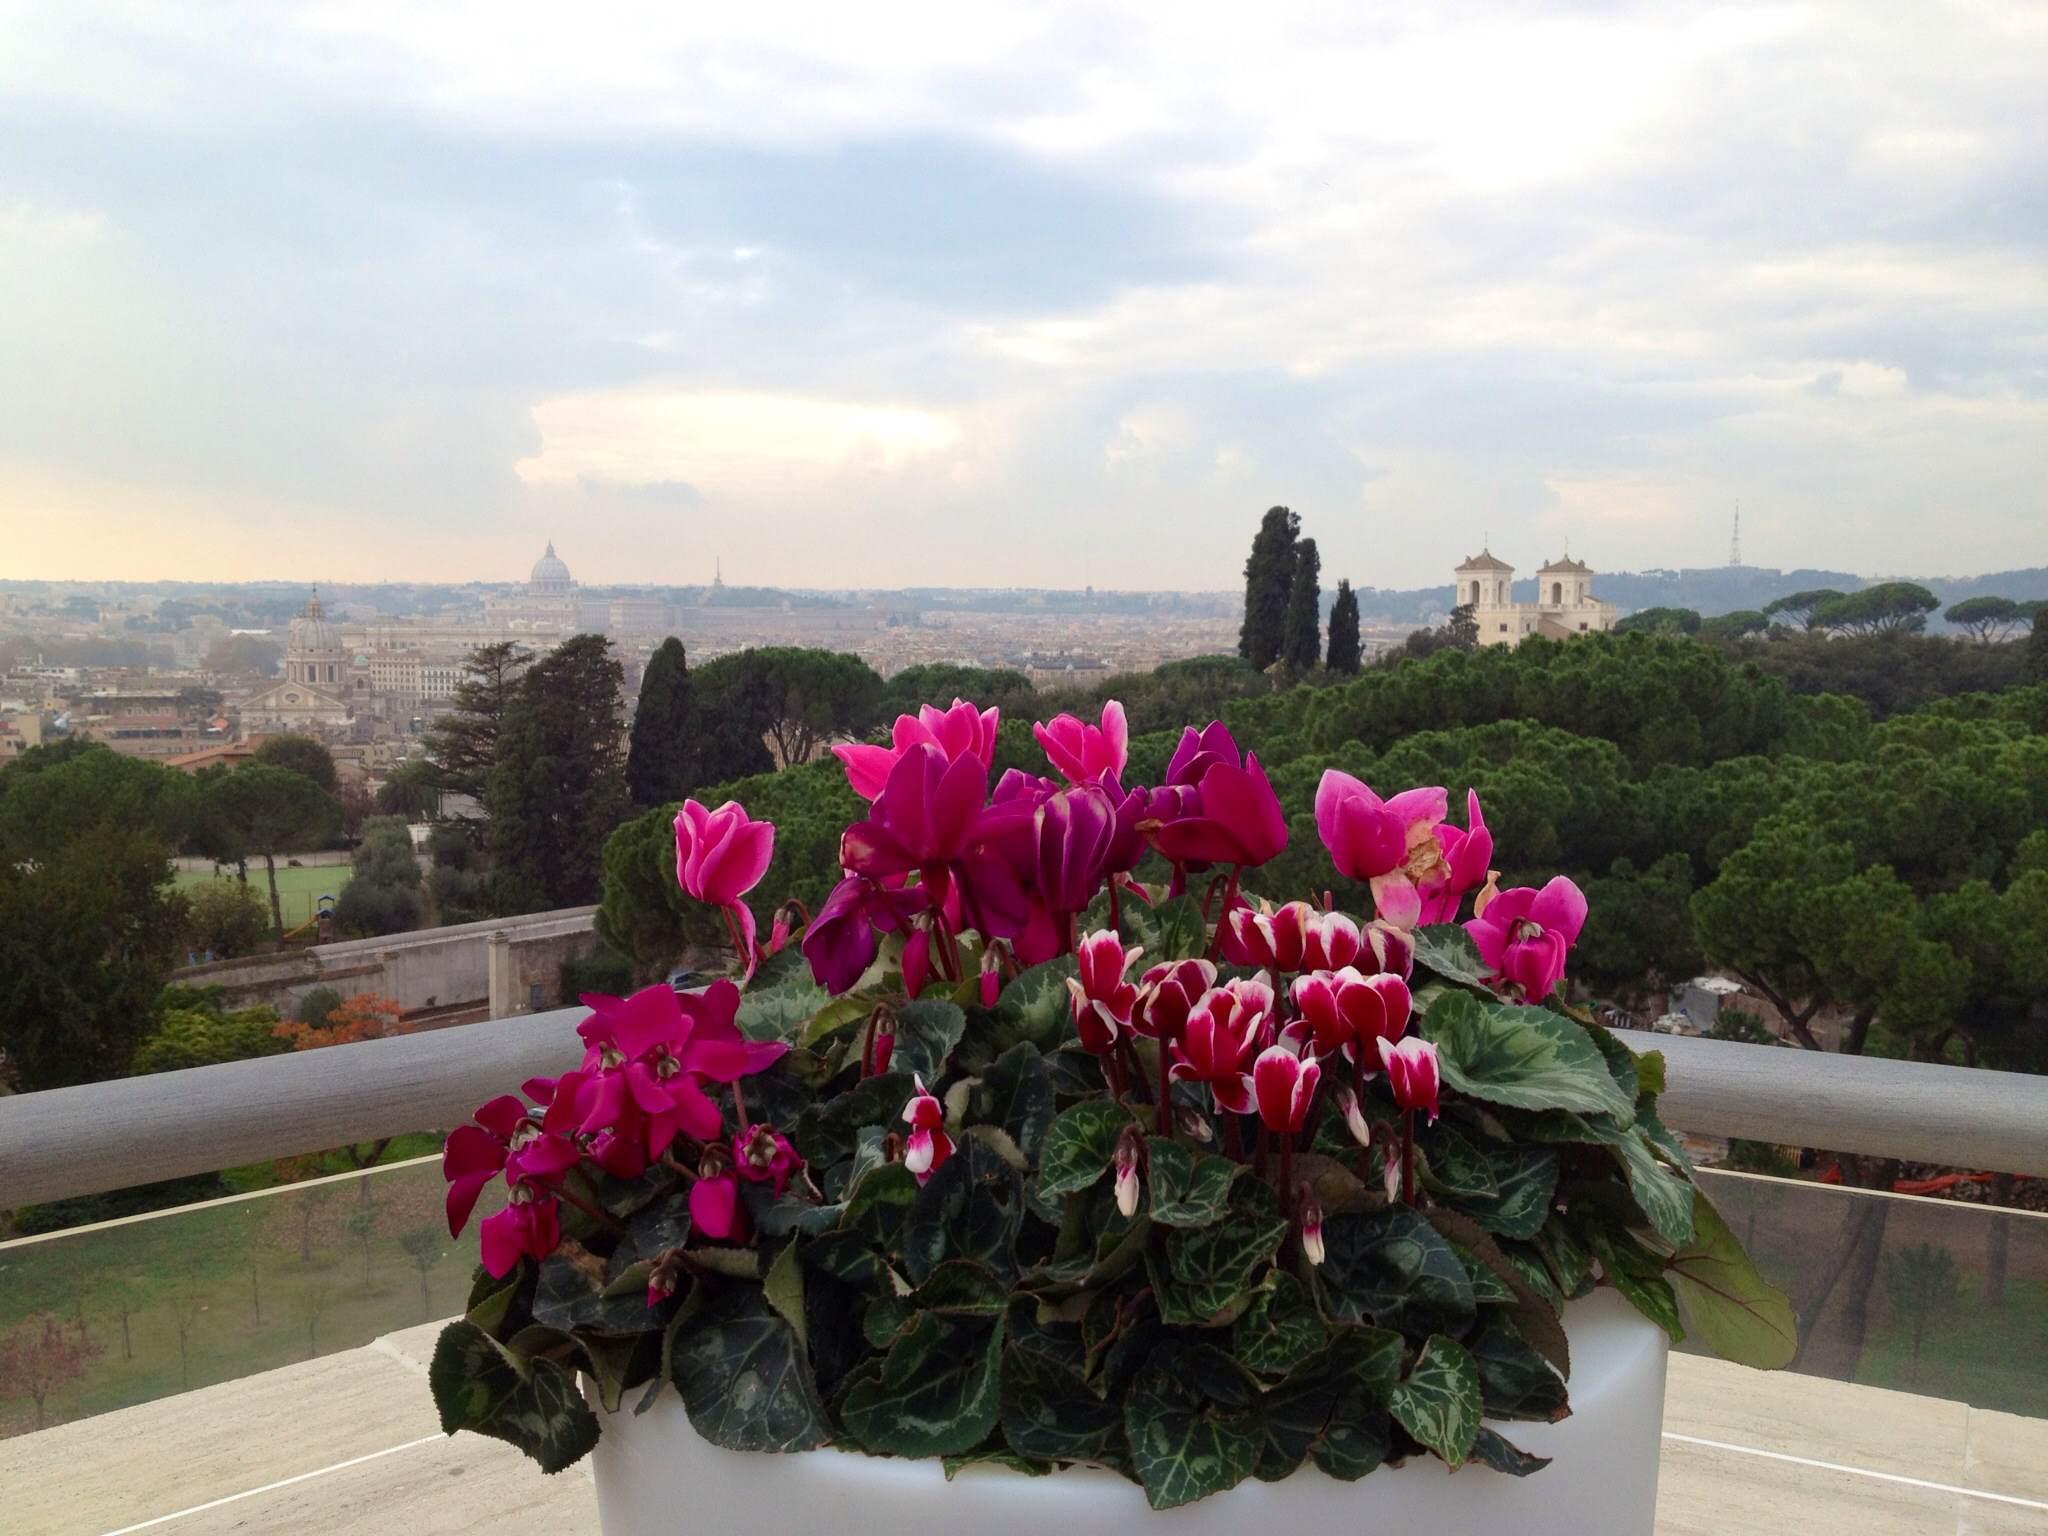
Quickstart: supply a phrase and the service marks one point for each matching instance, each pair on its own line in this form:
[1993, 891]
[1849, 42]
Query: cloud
[726, 442]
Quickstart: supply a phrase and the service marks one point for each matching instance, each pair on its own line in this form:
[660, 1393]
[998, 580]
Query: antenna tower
[1735, 539]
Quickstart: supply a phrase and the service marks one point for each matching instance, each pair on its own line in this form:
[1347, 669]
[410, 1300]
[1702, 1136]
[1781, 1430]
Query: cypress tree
[1302, 647]
[1268, 577]
[1344, 652]
[558, 786]
[658, 757]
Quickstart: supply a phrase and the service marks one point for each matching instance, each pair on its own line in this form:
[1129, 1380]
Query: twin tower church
[1564, 606]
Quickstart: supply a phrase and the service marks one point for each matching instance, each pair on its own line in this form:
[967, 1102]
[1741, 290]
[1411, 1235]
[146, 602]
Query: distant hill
[1710, 590]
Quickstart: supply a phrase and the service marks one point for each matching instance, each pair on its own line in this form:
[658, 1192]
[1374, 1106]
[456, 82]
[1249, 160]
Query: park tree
[1921, 1282]
[42, 1354]
[809, 697]
[1268, 585]
[940, 683]
[1302, 641]
[729, 738]
[424, 1247]
[1343, 657]
[301, 754]
[261, 809]
[559, 785]
[224, 919]
[1674, 621]
[1738, 625]
[196, 1037]
[463, 743]
[1988, 620]
[1889, 608]
[1462, 632]
[366, 1016]
[659, 770]
[90, 923]
[1800, 607]
[412, 791]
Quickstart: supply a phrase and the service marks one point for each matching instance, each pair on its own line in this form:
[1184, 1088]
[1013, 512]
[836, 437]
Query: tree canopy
[1343, 656]
[1800, 607]
[302, 755]
[1268, 584]
[660, 752]
[463, 743]
[1988, 620]
[1302, 640]
[1887, 608]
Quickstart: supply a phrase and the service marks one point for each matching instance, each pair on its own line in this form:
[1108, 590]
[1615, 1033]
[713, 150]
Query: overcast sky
[862, 294]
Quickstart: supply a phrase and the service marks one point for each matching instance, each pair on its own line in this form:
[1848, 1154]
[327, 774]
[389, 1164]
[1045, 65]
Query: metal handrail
[79, 1141]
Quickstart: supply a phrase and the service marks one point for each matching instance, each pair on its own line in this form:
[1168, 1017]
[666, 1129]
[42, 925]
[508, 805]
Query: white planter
[657, 1477]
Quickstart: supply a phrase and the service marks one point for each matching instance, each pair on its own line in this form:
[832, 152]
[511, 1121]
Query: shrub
[226, 919]
[317, 1006]
[603, 970]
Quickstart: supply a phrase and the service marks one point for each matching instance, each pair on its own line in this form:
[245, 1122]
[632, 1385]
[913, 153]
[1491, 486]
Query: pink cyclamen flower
[505, 1137]
[1345, 1011]
[1269, 938]
[1312, 1229]
[928, 1146]
[720, 856]
[1388, 948]
[1099, 997]
[1216, 1046]
[924, 818]
[961, 731]
[715, 1210]
[1524, 935]
[530, 1227]
[1239, 820]
[991, 980]
[1073, 832]
[840, 942]
[1284, 1084]
[1412, 1073]
[1130, 1152]
[1329, 942]
[1167, 993]
[764, 1155]
[1466, 853]
[1390, 844]
[1354, 1117]
[1084, 753]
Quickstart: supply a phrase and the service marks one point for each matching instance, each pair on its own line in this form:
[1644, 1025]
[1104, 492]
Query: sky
[1062, 295]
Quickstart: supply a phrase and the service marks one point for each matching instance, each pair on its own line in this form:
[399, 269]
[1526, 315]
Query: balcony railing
[77, 1141]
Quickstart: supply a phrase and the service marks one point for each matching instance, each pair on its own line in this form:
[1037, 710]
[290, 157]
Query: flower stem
[1229, 898]
[1164, 1119]
[1287, 1173]
[596, 1213]
[1116, 918]
[1232, 1142]
[1408, 1157]
[739, 1104]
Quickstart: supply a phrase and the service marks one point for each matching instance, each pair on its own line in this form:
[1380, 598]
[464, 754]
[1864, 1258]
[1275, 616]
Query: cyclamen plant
[1018, 1158]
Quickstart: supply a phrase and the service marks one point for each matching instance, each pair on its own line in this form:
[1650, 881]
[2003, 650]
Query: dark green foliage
[202, 1037]
[225, 919]
[382, 895]
[797, 699]
[315, 1007]
[1886, 608]
[262, 810]
[90, 923]
[1344, 655]
[940, 683]
[1677, 621]
[413, 791]
[302, 755]
[463, 744]
[1801, 607]
[1302, 641]
[603, 970]
[1988, 620]
[557, 788]
[1268, 584]
[659, 757]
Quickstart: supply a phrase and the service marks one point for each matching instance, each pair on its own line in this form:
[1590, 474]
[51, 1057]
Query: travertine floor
[349, 1444]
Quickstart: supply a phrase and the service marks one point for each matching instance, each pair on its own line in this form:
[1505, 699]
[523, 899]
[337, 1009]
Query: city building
[1564, 606]
[549, 603]
[317, 680]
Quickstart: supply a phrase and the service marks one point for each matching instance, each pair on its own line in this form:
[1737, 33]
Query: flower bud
[1130, 1150]
[1311, 1227]
[1194, 1124]
[1354, 1117]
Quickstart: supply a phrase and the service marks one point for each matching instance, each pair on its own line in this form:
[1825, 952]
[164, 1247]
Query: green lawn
[256, 1283]
[298, 890]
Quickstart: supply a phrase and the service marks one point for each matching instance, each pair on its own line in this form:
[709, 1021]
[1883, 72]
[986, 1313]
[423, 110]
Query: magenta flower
[1390, 949]
[1084, 753]
[1344, 1011]
[1198, 750]
[924, 818]
[1238, 821]
[1466, 852]
[1523, 935]
[1268, 938]
[1412, 1073]
[1167, 994]
[648, 1057]
[1285, 1086]
[1099, 998]
[840, 942]
[1329, 942]
[720, 856]
[928, 1146]
[1217, 1043]
[530, 1227]
[1391, 844]
[917, 960]
[1074, 830]
[715, 1210]
[764, 1155]
[506, 1137]
[961, 731]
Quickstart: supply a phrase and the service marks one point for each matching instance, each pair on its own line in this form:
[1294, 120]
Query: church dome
[311, 633]
[549, 573]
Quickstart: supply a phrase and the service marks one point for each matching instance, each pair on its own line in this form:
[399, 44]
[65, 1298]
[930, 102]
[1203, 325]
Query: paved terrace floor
[349, 1443]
